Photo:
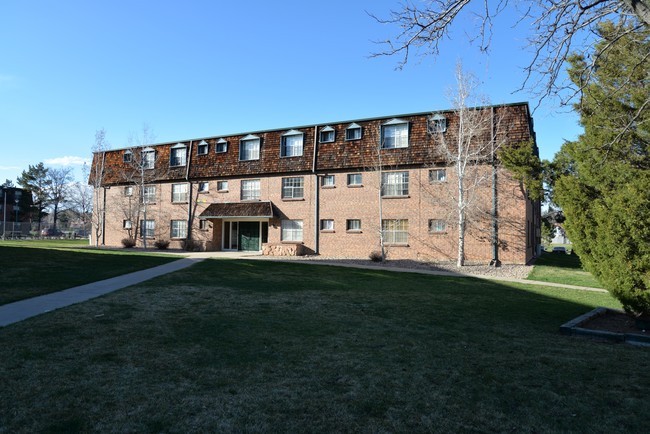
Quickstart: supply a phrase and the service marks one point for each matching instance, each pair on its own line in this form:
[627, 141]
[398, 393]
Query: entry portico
[240, 226]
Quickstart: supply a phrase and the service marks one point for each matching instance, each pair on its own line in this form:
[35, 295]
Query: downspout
[189, 203]
[316, 195]
[104, 219]
[495, 262]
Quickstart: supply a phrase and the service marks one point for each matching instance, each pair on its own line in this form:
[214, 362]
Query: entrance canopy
[238, 209]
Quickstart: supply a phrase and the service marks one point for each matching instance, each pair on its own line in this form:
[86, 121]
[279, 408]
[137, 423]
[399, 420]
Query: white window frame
[178, 229]
[204, 186]
[180, 193]
[327, 225]
[128, 190]
[149, 194]
[395, 231]
[204, 225]
[395, 184]
[437, 175]
[202, 148]
[221, 146]
[328, 137]
[352, 177]
[128, 156]
[127, 224]
[328, 181]
[437, 124]
[291, 230]
[350, 132]
[250, 189]
[148, 158]
[437, 226]
[147, 228]
[178, 155]
[222, 186]
[353, 225]
[293, 187]
[249, 148]
[292, 144]
[395, 134]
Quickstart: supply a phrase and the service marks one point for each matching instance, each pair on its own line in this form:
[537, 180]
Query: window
[395, 134]
[222, 146]
[179, 229]
[395, 231]
[222, 185]
[128, 191]
[436, 225]
[149, 194]
[204, 225]
[327, 181]
[327, 135]
[437, 175]
[178, 155]
[354, 179]
[148, 158]
[128, 156]
[353, 225]
[204, 187]
[291, 230]
[291, 144]
[395, 184]
[250, 189]
[293, 188]
[147, 228]
[126, 224]
[202, 148]
[353, 132]
[249, 148]
[437, 124]
[327, 225]
[180, 193]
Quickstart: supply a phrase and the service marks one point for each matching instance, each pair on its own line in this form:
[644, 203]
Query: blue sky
[205, 68]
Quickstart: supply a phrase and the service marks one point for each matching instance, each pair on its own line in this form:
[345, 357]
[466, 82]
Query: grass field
[35, 267]
[257, 346]
[562, 268]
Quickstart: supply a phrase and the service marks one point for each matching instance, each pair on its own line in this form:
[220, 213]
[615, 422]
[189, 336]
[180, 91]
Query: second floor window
[395, 184]
[291, 144]
[437, 175]
[204, 187]
[354, 179]
[250, 189]
[293, 188]
[149, 194]
[327, 181]
[178, 155]
[180, 193]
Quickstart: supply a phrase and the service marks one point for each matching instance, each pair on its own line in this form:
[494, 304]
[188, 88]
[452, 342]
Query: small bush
[191, 245]
[375, 256]
[128, 243]
[161, 244]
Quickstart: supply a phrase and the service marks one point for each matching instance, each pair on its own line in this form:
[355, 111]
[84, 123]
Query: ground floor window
[353, 225]
[147, 228]
[437, 225]
[291, 230]
[179, 229]
[395, 231]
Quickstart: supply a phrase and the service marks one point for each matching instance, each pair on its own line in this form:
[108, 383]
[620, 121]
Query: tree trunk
[641, 9]
[461, 223]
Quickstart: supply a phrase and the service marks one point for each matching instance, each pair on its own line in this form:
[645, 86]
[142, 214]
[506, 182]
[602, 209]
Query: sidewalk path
[23, 309]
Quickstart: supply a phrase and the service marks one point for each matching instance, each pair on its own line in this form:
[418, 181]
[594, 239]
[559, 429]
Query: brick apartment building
[318, 190]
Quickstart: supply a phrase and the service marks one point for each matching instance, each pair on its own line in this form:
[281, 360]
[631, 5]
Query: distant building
[15, 206]
[315, 190]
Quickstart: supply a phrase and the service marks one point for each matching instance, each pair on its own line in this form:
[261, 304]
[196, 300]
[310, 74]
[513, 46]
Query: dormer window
[395, 134]
[178, 155]
[148, 158]
[327, 135]
[353, 132]
[291, 144]
[128, 156]
[437, 124]
[222, 146]
[202, 148]
[249, 148]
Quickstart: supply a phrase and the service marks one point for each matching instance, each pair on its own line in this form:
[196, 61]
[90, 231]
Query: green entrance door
[249, 236]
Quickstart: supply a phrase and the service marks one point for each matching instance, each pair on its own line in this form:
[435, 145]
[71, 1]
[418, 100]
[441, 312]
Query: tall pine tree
[604, 182]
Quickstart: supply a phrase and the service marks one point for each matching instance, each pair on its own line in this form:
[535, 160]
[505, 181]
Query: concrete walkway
[21, 310]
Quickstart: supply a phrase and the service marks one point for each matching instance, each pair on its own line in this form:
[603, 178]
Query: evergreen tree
[603, 184]
[36, 180]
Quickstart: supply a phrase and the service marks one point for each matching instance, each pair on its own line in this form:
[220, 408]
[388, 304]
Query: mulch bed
[616, 322]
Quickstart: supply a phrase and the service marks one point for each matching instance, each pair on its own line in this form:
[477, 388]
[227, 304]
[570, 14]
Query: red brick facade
[338, 218]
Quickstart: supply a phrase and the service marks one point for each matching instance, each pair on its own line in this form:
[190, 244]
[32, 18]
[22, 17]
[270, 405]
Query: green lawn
[257, 346]
[36, 267]
[562, 268]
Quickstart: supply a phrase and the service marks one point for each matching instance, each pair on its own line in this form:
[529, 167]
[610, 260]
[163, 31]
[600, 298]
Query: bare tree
[96, 180]
[59, 189]
[467, 146]
[81, 198]
[558, 28]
